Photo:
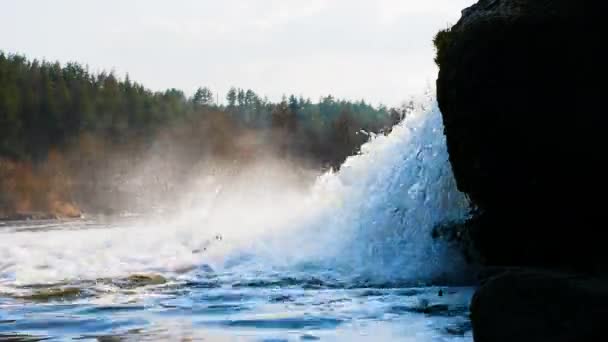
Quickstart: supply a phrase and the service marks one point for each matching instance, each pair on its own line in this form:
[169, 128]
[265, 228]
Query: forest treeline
[63, 121]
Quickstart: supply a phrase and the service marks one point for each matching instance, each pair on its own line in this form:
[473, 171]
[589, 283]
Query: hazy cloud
[376, 49]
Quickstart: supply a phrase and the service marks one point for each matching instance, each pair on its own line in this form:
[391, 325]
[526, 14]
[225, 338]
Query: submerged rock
[146, 279]
[59, 293]
[135, 281]
[530, 305]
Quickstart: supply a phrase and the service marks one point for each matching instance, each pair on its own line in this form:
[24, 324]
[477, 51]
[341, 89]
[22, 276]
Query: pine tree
[203, 97]
[231, 97]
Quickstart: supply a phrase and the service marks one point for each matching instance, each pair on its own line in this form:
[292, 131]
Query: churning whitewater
[256, 257]
[373, 218]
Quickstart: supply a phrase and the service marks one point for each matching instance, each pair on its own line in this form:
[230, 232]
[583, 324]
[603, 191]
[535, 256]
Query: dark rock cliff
[522, 91]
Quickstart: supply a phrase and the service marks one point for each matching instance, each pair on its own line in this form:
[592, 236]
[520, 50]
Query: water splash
[397, 191]
[373, 218]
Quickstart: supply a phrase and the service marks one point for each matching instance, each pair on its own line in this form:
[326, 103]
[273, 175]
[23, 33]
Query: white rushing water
[372, 218]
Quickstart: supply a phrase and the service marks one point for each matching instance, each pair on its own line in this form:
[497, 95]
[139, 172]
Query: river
[350, 258]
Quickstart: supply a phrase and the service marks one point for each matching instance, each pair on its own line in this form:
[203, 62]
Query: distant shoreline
[35, 216]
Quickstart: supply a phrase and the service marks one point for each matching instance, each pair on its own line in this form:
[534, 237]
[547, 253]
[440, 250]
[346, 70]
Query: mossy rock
[51, 294]
[140, 280]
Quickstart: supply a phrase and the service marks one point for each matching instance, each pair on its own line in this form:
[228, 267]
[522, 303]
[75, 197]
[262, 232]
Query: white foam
[374, 216]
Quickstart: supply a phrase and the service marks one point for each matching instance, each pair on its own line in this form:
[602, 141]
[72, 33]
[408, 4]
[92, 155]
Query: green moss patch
[441, 41]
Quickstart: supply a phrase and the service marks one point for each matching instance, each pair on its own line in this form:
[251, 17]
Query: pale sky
[379, 50]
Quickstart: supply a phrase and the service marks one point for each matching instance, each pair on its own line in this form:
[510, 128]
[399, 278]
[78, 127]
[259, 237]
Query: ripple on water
[291, 313]
[291, 323]
[20, 338]
[68, 324]
[110, 309]
[203, 310]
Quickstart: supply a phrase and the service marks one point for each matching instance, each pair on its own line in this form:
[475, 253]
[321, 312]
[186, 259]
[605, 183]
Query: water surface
[237, 303]
[254, 258]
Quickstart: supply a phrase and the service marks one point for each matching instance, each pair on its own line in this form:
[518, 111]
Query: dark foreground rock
[529, 305]
[522, 89]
